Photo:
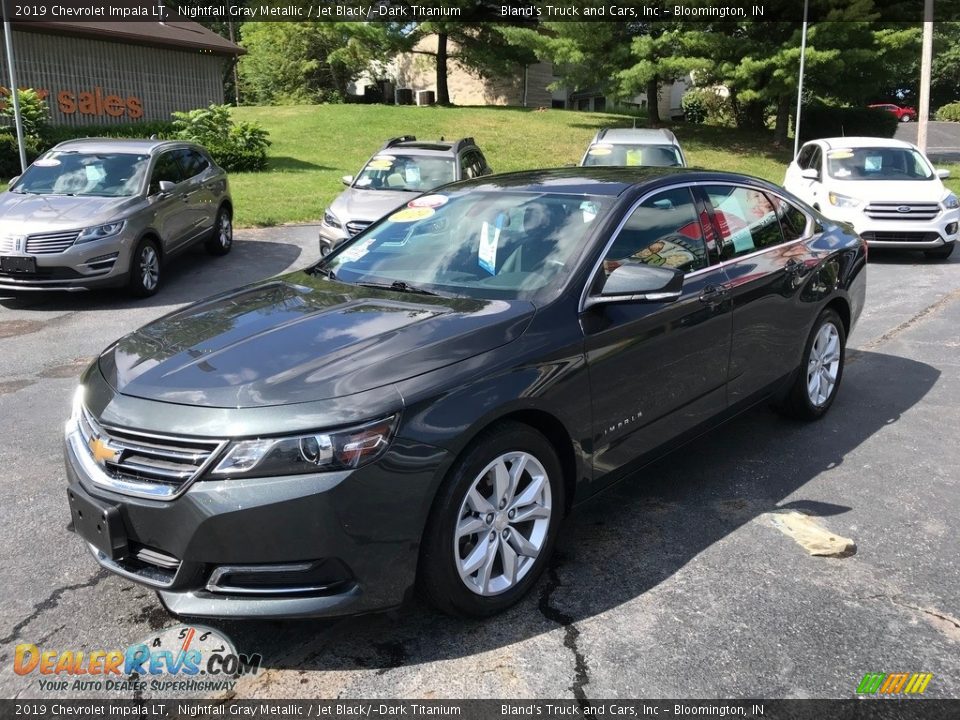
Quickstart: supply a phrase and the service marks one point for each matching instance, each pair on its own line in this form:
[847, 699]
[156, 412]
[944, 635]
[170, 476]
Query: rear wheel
[494, 523]
[906, 118]
[145, 269]
[821, 369]
[221, 240]
[940, 253]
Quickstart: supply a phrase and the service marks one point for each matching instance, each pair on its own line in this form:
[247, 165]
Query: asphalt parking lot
[675, 584]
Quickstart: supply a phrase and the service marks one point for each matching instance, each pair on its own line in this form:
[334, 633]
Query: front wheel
[221, 240]
[821, 369]
[906, 118]
[145, 269]
[494, 523]
[940, 253]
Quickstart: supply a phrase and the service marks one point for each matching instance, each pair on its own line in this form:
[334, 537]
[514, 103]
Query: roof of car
[120, 145]
[639, 136]
[598, 180]
[858, 142]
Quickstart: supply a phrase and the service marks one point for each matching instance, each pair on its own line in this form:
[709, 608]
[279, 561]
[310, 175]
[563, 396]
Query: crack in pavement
[50, 602]
[952, 629]
[571, 633]
[907, 324]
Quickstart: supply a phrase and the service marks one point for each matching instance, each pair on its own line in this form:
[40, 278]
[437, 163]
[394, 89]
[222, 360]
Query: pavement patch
[811, 535]
[11, 386]
[16, 328]
[66, 370]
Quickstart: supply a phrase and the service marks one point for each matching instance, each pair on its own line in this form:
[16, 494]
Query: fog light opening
[319, 576]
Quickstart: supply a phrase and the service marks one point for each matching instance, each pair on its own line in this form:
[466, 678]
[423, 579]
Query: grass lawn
[314, 145]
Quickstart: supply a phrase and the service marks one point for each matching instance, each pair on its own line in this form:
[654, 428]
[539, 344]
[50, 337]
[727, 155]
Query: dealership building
[96, 73]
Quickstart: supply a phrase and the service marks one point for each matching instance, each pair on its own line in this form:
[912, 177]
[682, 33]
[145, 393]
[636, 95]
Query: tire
[940, 253]
[806, 400]
[906, 118]
[447, 575]
[221, 238]
[146, 269]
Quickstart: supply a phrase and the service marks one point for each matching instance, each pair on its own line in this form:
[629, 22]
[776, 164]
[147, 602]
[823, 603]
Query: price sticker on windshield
[411, 214]
[428, 201]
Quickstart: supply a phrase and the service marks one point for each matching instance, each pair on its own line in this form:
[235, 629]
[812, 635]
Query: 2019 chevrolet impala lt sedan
[423, 406]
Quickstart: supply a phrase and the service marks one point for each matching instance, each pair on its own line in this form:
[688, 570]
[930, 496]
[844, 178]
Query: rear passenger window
[793, 222]
[192, 162]
[746, 219]
[663, 230]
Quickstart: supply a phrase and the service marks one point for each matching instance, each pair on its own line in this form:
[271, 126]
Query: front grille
[355, 226]
[900, 237]
[8, 244]
[42, 243]
[902, 210]
[164, 464]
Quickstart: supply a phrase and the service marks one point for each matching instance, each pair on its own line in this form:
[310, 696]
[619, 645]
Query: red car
[904, 114]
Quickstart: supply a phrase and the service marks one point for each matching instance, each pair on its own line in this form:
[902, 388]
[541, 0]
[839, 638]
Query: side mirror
[810, 174]
[637, 282]
[165, 187]
[13, 181]
[941, 173]
[347, 180]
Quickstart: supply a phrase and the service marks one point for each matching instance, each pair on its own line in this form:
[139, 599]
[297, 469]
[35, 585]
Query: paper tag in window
[489, 239]
[355, 252]
[428, 201]
[742, 241]
[411, 214]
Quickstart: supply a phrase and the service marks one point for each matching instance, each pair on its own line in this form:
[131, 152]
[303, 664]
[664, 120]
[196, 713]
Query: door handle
[713, 294]
[793, 267]
[185, 197]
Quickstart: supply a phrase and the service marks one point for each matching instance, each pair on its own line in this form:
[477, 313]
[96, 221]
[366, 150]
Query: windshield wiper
[398, 286]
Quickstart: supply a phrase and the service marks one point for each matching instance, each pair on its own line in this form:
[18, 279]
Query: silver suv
[401, 170]
[107, 213]
[640, 147]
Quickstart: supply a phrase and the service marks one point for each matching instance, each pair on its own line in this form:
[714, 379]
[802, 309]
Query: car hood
[368, 205]
[43, 213]
[303, 338]
[891, 190]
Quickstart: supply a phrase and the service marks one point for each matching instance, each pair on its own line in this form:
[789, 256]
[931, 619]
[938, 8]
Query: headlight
[76, 408]
[330, 219]
[313, 452]
[100, 231]
[950, 202]
[843, 201]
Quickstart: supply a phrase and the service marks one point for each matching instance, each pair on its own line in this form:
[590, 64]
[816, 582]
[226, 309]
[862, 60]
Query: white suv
[886, 189]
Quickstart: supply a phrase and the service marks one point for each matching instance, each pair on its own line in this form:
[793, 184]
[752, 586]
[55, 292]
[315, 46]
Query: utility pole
[803, 57]
[926, 60]
[14, 93]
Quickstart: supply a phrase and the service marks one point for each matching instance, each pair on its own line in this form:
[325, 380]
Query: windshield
[84, 174]
[411, 173]
[474, 244]
[881, 163]
[637, 155]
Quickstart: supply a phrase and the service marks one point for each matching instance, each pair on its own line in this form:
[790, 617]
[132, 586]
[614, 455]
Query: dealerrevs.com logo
[894, 683]
[190, 658]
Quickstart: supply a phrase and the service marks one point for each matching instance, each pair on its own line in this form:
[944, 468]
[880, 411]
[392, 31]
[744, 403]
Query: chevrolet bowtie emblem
[102, 453]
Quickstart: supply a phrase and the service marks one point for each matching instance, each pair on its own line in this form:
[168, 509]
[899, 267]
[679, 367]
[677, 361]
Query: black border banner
[893, 708]
[409, 11]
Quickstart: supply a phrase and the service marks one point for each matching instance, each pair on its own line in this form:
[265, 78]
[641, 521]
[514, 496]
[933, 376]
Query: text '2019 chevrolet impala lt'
[423, 406]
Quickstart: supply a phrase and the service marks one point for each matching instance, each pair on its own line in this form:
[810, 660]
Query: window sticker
[589, 210]
[872, 163]
[363, 182]
[411, 214]
[428, 201]
[634, 157]
[600, 150]
[381, 162]
[355, 252]
[742, 240]
[487, 255]
[95, 173]
[46, 162]
[411, 174]
[844, 154]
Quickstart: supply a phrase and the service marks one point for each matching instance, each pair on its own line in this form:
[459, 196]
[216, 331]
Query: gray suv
[401, 170]
[642, 147]
[106, 213]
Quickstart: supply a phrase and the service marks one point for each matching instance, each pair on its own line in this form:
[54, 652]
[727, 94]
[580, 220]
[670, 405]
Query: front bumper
[330, 237]
[101, 263]
[207, 551]
[904, 234]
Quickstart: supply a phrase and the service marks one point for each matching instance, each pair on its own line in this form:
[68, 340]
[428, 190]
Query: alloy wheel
[823, 365]
[225, 230]
[149, 267]
[503, 523]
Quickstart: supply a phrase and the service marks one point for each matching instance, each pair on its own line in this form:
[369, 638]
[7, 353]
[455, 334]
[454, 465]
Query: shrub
[694, 107]
[949, 112]
[10, 154]
[706, 104]
[820, 120]
[33, 111]
[236, 147]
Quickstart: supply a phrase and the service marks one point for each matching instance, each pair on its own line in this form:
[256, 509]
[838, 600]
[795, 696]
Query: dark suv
[402, 169]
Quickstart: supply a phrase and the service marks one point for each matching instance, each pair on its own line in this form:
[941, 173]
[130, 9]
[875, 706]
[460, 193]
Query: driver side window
[665, 231]
[166, 168]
